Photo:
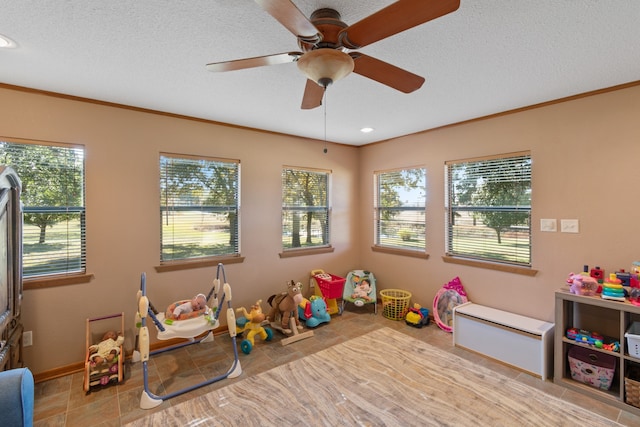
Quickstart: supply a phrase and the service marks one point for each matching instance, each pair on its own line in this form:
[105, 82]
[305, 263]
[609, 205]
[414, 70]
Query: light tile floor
[62, 401]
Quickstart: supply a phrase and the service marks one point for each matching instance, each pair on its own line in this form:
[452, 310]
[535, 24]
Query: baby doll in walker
[106, 350]
[197, 303]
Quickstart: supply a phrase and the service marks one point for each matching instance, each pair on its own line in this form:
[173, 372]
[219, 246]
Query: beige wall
[585, 166]
[122, 187]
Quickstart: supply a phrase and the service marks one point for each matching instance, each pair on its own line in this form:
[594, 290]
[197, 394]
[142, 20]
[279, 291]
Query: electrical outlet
[27, 339]
[569, 226]
[548, 225]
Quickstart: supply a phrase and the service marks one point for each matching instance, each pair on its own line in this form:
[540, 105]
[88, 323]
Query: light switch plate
[569, 226]
[548, 225]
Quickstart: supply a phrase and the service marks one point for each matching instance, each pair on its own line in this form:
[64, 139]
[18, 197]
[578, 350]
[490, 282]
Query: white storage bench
[518, 341]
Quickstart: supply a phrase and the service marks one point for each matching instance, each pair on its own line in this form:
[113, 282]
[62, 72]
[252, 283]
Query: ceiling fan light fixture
[6, 42]
[325, 66]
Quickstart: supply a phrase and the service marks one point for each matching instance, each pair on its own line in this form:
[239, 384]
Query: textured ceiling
[487, 57]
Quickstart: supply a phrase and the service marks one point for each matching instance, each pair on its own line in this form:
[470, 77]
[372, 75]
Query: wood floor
[62, 402]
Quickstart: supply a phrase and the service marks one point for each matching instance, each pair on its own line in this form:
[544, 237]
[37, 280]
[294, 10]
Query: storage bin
[395, 303]
[632, 392]
[633, 339]
[592, 367]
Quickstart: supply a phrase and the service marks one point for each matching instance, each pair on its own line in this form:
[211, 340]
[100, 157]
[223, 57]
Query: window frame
[323, 208]
[166, 265]
[418, 252]
[77, 276]
[451, 209]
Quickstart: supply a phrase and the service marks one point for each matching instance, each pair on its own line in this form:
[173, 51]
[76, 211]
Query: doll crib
[110, 372]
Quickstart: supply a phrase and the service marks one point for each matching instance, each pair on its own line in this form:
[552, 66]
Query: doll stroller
[360, 289]
[96, 376]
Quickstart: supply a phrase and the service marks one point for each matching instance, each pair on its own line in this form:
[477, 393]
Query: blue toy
[313, 311]
[585, 337]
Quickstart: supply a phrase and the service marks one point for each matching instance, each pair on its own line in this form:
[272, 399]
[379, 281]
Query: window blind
[305, 208]
[199, 207]
[399, 209]
[488, 208]
[53, 197]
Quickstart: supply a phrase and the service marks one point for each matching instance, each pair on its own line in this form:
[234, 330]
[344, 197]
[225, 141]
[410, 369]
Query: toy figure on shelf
[612, 346]
[634, 296]
[585, 337]
[252, 321]
[582, 285]
[592, 338]
[612, 288]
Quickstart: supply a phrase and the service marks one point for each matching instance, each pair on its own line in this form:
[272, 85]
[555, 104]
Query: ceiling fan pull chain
[325, 120]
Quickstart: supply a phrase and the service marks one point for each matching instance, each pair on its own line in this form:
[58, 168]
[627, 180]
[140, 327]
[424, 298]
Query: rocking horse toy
[283, 314]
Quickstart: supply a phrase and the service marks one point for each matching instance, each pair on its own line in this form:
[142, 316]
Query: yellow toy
[252, 321]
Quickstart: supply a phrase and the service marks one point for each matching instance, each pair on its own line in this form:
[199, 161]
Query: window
[53, 198]
[199, 207]
[488, 209]
[305, 208]
[399, 209]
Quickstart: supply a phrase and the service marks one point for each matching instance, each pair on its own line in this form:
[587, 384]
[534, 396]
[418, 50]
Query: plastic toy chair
[360, 289]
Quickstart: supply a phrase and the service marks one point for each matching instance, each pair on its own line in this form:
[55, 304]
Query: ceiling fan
[328, 45]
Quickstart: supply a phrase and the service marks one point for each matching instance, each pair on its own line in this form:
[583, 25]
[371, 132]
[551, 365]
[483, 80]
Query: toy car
[417, 317]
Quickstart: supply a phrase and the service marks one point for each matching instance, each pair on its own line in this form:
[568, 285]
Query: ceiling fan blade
[258, 61]
[394, 19]
[313, 94]
[385, 73]
[288, 14]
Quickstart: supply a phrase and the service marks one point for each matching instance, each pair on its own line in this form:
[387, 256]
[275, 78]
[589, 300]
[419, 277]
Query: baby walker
[149, 400]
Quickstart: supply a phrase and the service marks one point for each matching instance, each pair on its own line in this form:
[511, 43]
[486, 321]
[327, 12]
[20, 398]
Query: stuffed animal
[283, 306]
[582, 284]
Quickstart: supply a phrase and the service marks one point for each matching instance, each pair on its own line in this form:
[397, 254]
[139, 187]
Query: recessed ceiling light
[6, 42]
[366, 130]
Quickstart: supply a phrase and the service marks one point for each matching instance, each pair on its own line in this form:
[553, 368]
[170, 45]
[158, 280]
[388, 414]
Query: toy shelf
[609, 318]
